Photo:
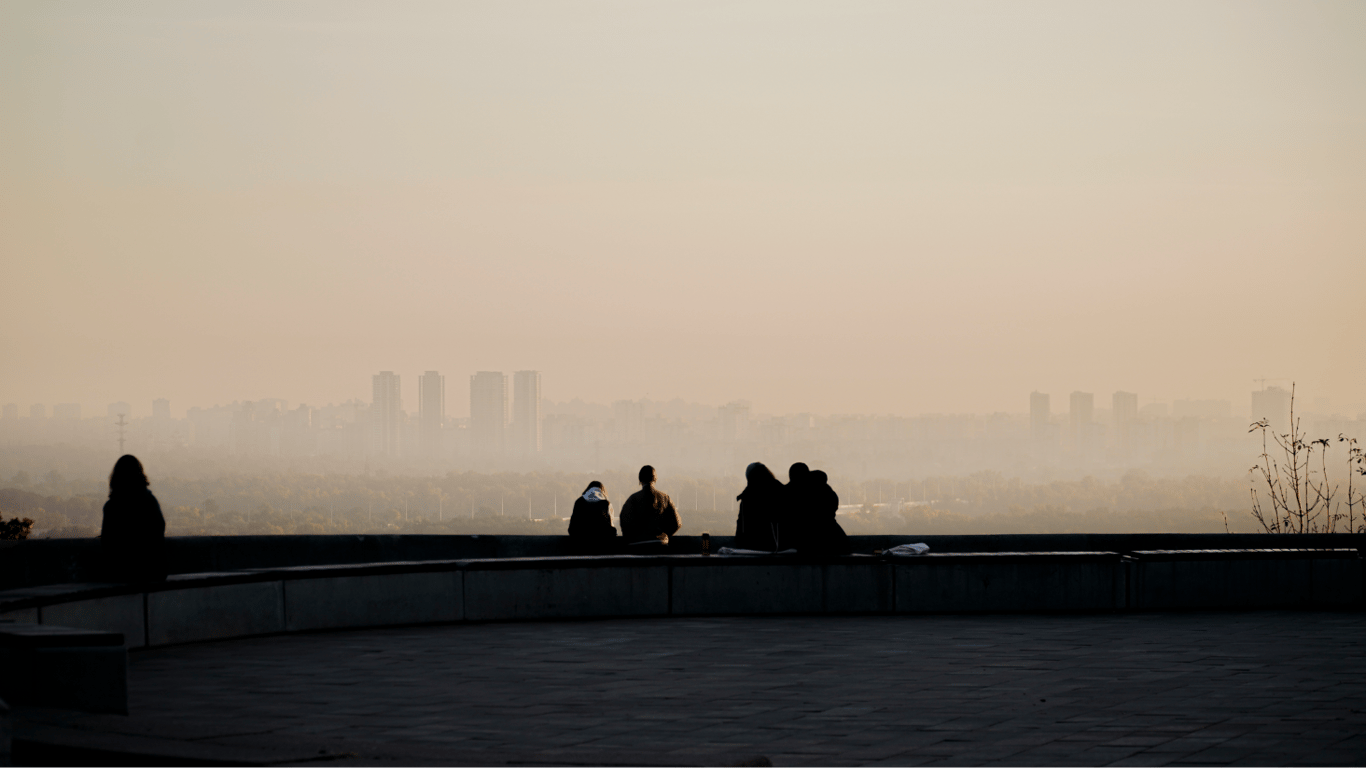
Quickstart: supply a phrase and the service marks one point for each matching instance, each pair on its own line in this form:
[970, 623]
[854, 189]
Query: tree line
[540, 503]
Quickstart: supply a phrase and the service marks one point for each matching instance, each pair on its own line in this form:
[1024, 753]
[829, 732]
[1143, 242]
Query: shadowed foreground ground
[1268, 688]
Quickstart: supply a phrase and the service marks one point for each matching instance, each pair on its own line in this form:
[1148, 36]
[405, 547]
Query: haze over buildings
[782, 211]
[513, 427]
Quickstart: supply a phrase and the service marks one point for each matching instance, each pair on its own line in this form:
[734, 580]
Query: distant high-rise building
[1272, 404]
[628, 418]
[489, 412]
[431, 411]
[115, 410]
[1080, 407]
[734, 421]
[1123, 413]
[386, 415]
[11, 411]
[1124, 407]
[526, 412]
[161, 409]
[1039, 415]
[66, 411]
[37, 411]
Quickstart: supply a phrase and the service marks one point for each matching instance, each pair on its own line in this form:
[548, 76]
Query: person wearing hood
[822, 534]
[759, 524]
[133, 532]
[591, 519]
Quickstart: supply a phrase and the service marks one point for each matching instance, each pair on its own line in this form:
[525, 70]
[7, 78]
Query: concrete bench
[1010, 581]
[1245, 578]
[63, 667]
[55, 561]
[242, 603]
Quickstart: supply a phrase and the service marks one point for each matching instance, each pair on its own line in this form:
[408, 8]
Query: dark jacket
[759, 524]
[814, 504]
[647, 514]
[133, 536]
[592, 519]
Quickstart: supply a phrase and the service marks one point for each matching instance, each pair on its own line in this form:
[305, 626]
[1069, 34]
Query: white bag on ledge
[733, 552]
[907, 550]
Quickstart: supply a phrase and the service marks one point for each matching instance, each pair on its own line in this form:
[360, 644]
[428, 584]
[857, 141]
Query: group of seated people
[773, 517]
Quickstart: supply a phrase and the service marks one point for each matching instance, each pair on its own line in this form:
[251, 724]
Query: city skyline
[884, 208]
[1132, 403]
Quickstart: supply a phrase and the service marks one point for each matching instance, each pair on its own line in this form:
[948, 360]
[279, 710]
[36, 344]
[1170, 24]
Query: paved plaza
[1264, 688]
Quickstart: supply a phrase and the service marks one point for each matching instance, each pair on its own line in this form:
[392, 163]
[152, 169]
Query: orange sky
[826, 207]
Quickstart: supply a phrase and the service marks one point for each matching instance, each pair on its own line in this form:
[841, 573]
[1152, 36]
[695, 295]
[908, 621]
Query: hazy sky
[832, 207]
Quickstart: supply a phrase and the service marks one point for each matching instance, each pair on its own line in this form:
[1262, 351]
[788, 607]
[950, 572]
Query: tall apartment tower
[1080, 407]
[1039, 414]
[386, 413]
[489, 412]
[1272, 404]
[1123, 414]
[526, 412]
[431, 412]
[1123, 408]
[161, 409]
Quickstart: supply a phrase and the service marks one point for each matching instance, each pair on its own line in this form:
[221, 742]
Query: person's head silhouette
[647, 476]
[127, 475]
[757, 472]
[798, 473]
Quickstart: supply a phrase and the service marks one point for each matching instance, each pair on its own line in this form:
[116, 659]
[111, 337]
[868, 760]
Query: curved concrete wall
[208, 606]
[58, 561]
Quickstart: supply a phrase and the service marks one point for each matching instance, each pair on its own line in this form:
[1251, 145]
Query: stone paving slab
[1282, 688]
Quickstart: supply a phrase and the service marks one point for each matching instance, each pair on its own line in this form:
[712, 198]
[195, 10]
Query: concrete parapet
[534, 591]
[209, 606]
[209, 613]
[858, 587]
[53, 561]
[747, 586]
[117, 613]
[1205, 579]
[1074, 581]
[373, 600]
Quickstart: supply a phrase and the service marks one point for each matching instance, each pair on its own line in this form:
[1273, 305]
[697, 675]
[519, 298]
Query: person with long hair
[591, 519]
[133, 534]
[649, 513]
[759, 524]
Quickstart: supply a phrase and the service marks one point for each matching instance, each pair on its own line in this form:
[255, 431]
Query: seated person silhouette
[819, 532]
[590, 524]
[133, 532]
[648, 517]
[759, 524]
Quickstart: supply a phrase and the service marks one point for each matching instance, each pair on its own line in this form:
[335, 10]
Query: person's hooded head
[820, 478]
[127, 476]
[757, 473]
[798, 473]
[595, 492]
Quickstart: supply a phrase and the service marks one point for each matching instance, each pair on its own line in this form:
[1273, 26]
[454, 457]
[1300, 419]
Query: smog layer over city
[433, 267]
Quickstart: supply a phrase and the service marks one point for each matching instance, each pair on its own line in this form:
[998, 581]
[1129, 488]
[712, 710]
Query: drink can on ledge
[706, 543]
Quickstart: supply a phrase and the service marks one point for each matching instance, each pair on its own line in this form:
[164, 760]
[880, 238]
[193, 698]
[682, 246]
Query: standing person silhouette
[649, 513]
[133, 533]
